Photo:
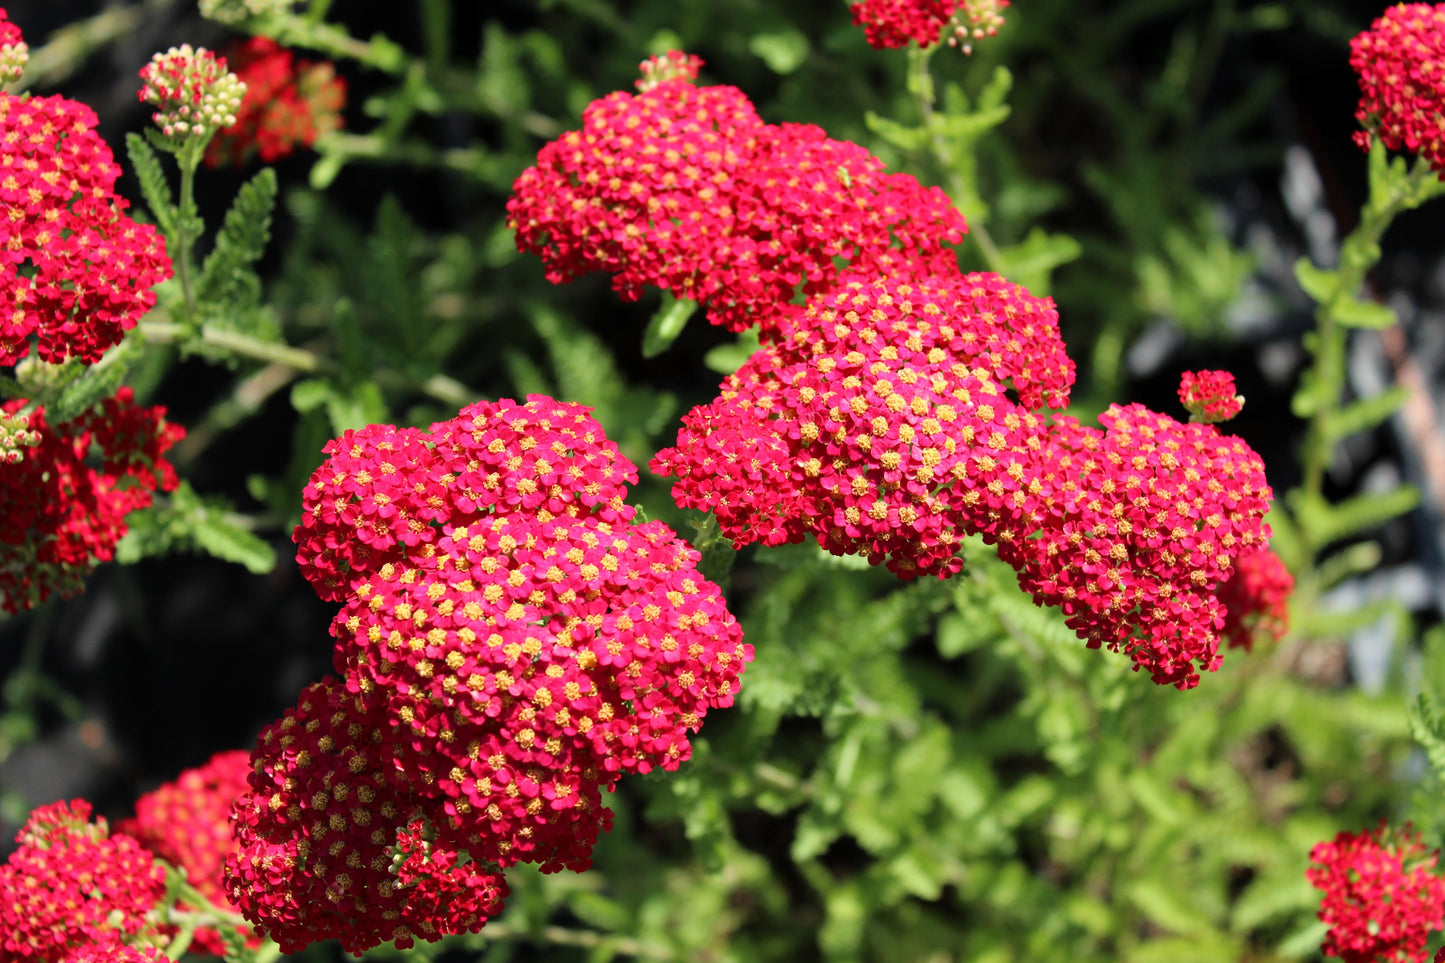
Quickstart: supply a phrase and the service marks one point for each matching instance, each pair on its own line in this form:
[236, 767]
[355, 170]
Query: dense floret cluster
[187, 823]
[683, 188]
[75, 272]
[1400, 63]
[193, 93]
[73, 891]
[1381, 900]
[891, 419]
[288, 104]
[66, 498]
[510, 644]
[897, 23]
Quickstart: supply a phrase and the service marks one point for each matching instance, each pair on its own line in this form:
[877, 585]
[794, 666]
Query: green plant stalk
[1359, 254]
[920, 84]
[189, 159]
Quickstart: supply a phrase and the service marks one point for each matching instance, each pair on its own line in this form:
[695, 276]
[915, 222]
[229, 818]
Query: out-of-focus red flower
[1381, 897]
[1256, 599]
[1400, 63]
[896, 23]
[74, 891]
[288, 103]
[65, 501]
[187, 823]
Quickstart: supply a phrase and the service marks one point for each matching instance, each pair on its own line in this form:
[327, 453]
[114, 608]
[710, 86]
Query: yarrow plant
[1400, 63]
[288, 103]
[510, 644]
[72, 890]
[1381, 900]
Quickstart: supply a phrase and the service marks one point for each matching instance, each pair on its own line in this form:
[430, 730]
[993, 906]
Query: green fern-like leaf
[153, 184]
[226, 275]
[98, 381]
[1429, 732]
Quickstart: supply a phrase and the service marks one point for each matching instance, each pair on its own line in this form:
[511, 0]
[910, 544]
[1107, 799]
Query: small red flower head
[1381, 897]
[288, 103]
[66, 500]
[14, 54]
[1400, 62]
[1210, 396]
[187, 823]
[193, 92]
[75, 272]
[1256, 599]
[896, 23]
[72, 890]
[673, 65]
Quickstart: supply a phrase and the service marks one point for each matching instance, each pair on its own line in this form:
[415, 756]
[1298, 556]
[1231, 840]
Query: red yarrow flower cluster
[288, 104]
[876, 419]
[1400, 64]
[187, 823]
[1210, 396]
[891, 419]
[72, 891]
[66, 500]
[683, 188]
[897, 23]
[510, 644]
[1256, 599]
[75, 272]
[1381, 897]
[14, 53]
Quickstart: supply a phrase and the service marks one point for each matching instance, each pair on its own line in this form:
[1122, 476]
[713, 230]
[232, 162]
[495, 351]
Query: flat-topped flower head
[187, 823]
[1381, 899]
[1209, 396]
[66, 500]
[75, 272]
[1256, 599]
[683, 188]
[334, 841]
[14, 54]
[897, 23]
[288, 103]
[1400, 63]
[72, 890]
[193, 92]
[885, 422]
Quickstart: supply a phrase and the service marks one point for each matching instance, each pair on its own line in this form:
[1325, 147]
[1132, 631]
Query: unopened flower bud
[192, 91]
[673, 65]
[13, 51]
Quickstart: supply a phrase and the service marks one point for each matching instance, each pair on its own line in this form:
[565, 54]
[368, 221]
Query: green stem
[297, 31]
[1359, 253]
[588, 939]
[920, 84]
[185, 225]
